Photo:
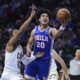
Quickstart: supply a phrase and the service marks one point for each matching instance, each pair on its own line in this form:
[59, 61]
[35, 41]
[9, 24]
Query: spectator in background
[74, 70]
[1, 11]
[76, 40]
[75, 66]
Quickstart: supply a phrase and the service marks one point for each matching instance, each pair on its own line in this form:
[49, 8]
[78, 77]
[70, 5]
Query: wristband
[62, 28]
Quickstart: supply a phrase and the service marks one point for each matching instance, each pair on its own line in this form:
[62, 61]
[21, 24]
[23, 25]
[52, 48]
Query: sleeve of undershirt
[26, 60]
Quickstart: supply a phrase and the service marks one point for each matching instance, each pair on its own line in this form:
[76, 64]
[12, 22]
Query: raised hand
[65, 21]
[34, 9]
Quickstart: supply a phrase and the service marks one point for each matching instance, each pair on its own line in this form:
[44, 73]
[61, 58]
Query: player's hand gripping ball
[63, 14]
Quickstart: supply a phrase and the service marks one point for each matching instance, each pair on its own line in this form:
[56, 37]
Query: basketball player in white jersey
[53, 74]
[14, 52]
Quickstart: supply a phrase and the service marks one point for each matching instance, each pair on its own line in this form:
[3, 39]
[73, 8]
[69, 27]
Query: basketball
[63, 13]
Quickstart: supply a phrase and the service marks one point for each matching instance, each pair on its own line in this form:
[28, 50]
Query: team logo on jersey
[41, 37]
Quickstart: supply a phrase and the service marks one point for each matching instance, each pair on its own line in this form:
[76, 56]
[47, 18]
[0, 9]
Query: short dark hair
[43, 10]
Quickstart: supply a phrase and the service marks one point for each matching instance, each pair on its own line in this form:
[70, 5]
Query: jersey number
[19, 56]
[40, 44]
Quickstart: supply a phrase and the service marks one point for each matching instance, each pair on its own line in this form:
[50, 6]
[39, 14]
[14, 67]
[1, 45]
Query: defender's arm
[60, 60]
[30, 43]
[12, 42]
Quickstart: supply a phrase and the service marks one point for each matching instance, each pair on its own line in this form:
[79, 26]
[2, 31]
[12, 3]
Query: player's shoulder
[72, 61]
[33, 31]
[9, 48]
[53, 29]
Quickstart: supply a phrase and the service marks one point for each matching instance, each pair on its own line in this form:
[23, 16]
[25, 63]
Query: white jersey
[75, 67]
[13, 60]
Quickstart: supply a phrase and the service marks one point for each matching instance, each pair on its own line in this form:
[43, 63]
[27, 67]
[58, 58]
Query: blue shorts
[38, 68]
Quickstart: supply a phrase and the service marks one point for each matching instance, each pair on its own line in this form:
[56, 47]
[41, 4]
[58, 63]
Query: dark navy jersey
[43, 42]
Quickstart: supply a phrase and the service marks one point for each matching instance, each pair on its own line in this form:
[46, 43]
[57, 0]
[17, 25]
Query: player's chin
[45, 23]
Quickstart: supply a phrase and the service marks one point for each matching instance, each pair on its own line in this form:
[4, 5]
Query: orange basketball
[63, 13]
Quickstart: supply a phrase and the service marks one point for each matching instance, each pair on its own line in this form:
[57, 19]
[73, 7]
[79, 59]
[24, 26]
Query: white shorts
[53, 74]
[10, 76]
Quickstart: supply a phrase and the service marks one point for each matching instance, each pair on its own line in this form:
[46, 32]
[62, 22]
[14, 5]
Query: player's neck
[42, 27]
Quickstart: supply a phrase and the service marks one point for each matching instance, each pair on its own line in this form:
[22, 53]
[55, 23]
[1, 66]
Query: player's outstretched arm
[62, 63]
[60, 60]
[30, 43]
[22, 29]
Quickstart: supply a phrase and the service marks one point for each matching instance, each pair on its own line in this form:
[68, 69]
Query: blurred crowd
[14, 12]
